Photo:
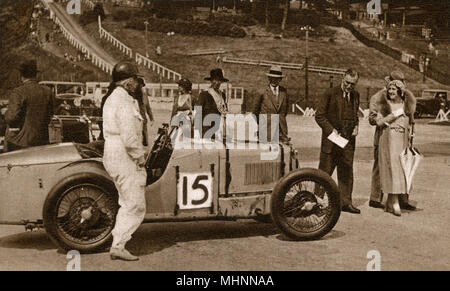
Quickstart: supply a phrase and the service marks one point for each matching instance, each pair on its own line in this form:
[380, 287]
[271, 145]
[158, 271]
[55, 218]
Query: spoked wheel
[80, 214]
[305, 205]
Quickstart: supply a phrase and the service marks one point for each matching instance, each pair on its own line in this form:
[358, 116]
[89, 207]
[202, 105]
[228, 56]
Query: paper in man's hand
[337, 139]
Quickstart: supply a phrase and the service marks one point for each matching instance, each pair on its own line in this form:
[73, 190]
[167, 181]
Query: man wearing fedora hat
[212, 101]
[30, 109]
[376, 195]
[273, 101]
[337, 114]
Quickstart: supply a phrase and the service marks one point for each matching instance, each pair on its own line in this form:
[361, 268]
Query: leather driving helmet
[124, 70]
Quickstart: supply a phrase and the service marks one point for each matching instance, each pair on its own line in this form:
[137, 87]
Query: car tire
[280, 208]
[95, 189]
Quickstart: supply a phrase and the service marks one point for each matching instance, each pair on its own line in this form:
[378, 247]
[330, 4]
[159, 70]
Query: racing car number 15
[194, 190]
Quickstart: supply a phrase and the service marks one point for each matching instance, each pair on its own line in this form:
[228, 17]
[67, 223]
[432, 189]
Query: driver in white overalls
[124, 156]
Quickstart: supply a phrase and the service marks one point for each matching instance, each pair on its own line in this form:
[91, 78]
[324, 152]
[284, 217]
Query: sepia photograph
[237, 138]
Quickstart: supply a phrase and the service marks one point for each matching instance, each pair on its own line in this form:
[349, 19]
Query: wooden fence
[159, 69]
[117, 43]
[96, 60]
[140, 59]
[293, 66]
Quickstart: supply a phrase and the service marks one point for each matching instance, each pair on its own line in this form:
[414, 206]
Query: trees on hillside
[286, 6]
[99, 11]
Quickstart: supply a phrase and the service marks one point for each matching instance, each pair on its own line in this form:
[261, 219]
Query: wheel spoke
[307, 219]
[90, 200]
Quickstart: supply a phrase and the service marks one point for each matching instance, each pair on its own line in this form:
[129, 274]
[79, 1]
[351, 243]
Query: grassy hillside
[344, 52]
[14, 26]
[16, 46]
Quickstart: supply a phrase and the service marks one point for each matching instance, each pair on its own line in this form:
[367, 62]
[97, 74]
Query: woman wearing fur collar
[395, 117]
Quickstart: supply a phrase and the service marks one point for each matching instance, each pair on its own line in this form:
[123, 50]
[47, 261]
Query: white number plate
[195, 190]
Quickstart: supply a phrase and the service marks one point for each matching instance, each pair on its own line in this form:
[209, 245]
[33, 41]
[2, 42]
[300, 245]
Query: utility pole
[307, 29]
[146, 38]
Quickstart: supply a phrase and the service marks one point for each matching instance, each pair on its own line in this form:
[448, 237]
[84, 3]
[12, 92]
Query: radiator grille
[262, 173]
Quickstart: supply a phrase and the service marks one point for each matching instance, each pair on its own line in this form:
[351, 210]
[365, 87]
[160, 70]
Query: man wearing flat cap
[337, 115]
[30, 109]
[376, 195]
[212, 101]
[273, 101]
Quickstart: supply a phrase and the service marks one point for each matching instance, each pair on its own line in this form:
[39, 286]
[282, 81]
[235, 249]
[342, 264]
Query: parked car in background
[431, 101]
[76, 116]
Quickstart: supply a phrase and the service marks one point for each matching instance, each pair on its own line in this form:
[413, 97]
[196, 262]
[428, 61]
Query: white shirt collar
[274, 89]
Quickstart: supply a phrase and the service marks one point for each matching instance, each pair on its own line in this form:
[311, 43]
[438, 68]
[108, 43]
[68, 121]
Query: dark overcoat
[208, 105]
[329, 115]
[267, 103]
[30, 110]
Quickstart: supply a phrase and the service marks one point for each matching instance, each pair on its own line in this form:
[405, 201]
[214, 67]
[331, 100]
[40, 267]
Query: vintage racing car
[65, 188]
[431, 101]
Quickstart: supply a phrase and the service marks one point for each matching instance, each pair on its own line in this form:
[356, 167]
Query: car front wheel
[305, 204]
[79, 212]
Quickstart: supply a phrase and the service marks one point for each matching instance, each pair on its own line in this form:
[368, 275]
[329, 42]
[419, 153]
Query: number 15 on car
[194, 190]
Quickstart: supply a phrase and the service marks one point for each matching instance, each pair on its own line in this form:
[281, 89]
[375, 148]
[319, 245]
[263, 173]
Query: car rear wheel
[305, 204]
[80, 211]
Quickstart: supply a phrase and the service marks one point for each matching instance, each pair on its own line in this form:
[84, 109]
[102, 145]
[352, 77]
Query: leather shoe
[376, 204]
[407, 206]
[351, 209]
[121, 254]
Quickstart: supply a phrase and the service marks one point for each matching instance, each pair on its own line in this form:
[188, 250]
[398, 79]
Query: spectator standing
[395, 118]
[376, 194]
[337, 115]
[273, 101]
[212, 101]
[29, 112]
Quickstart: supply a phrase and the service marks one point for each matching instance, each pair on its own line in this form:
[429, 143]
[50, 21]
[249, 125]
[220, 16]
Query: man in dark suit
[212, 103]
[273, 101]
[337, 113]
[30, 109]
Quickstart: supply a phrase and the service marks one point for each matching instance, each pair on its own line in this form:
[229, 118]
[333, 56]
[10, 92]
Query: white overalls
[124, 151]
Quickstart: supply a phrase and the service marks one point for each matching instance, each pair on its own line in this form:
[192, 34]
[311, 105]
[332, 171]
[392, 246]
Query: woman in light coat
[395, 116]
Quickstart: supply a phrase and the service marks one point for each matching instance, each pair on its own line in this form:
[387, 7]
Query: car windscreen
[427, 95]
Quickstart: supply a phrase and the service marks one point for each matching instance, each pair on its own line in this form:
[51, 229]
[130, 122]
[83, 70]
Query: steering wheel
[162, 142]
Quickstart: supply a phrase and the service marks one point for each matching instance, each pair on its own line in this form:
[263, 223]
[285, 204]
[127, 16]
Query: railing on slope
[96, 60]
